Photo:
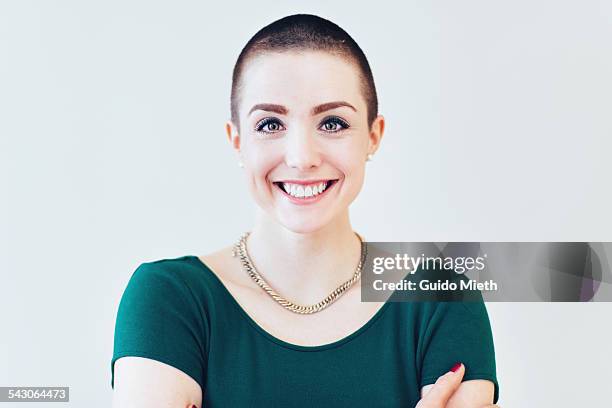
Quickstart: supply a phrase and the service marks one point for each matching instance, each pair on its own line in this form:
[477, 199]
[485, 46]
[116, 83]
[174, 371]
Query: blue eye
[272, 124]
[333, 124]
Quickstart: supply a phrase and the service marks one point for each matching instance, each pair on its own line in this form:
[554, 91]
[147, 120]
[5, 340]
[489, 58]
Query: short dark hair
[305, 32]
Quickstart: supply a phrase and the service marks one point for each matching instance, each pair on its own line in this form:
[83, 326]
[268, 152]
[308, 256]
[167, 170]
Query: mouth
[299, 191]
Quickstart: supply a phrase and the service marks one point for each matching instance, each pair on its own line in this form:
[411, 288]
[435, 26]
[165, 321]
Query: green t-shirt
[177, 311]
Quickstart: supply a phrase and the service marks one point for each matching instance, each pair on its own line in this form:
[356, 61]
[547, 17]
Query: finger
[443, 388]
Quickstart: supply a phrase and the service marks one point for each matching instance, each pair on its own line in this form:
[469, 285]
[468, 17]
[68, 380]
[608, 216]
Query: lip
[304, 182]
[309, 200]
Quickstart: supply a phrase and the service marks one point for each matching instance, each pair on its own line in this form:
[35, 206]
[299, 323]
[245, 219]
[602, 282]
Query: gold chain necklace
[240, 250]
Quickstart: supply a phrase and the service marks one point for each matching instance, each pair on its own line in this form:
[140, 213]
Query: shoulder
[169, 278]
[163, 316]
[182, 267]
[205, 275]
[426, 318]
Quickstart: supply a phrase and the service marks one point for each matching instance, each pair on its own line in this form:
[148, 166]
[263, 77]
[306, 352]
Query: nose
[302, 150]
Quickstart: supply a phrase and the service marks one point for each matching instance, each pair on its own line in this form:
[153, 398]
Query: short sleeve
[458, 332]
[158, 318]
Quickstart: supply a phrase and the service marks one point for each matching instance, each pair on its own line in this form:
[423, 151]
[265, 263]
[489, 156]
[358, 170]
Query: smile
[305, 191]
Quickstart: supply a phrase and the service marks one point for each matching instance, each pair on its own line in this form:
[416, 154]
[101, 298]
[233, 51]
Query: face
[304, 136]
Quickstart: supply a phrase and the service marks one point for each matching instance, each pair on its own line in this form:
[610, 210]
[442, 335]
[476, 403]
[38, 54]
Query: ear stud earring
[370, 156]
[240, 164]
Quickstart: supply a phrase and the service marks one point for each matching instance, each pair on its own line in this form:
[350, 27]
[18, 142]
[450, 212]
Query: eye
[268, 125]
[333, 124]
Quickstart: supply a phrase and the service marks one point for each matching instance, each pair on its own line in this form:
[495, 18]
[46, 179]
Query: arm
[160, 341]
[460, 332]
[143, 382]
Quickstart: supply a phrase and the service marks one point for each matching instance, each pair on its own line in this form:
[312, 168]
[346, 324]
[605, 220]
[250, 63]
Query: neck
[304, 267]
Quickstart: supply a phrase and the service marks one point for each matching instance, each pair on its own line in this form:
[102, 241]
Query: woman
[210, 330]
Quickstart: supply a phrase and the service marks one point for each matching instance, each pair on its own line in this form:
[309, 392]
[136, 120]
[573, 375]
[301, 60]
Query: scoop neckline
[275, 339]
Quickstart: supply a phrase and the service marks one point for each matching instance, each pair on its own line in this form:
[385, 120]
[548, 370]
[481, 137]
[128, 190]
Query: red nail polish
[456, 367]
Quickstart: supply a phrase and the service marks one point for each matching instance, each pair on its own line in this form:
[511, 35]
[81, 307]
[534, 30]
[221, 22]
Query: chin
[301, 225]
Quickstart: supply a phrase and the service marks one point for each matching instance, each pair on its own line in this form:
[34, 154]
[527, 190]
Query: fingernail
[456, 367]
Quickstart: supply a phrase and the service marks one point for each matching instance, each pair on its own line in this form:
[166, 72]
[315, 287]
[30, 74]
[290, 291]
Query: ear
[376, 134]
[233, 135]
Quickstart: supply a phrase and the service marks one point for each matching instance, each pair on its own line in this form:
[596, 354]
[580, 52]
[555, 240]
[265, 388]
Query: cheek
[351, 161]
[355, 165]
[357, 177]
[260, 161]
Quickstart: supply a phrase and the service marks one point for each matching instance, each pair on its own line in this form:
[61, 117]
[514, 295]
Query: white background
[113, 152]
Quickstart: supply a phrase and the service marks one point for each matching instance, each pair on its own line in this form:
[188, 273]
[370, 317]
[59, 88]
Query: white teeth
[301, 191]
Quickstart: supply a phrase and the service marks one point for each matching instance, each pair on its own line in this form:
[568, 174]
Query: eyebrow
[281, 110]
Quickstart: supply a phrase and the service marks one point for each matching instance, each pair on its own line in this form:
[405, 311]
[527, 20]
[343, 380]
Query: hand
[444, 388]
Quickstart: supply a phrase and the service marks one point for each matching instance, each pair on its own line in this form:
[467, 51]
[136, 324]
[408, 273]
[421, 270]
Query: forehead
[300, 79]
